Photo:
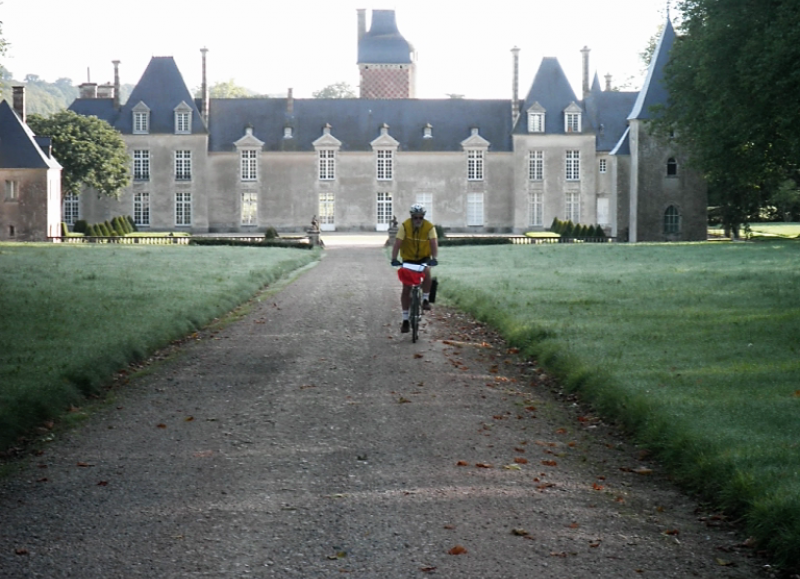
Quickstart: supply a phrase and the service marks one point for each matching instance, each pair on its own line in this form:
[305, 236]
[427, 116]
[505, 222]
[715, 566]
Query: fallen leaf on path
[162, 425]
[84, 464]
[428, 569]
[20, 551]
[483, 465]
[724, 563]
[549, 463]
[643, 470]
[512, 467]
[520, 460]
[520, 532]
[457, 550]
[597, 487]
[462, 463]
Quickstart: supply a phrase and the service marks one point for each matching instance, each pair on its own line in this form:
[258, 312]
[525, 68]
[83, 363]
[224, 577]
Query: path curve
[310, 439]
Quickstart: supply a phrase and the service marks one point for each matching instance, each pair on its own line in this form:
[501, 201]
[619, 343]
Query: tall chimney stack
[515, 87]
[608, 81]
[585, 52]
[116, 84]
[19, 102]
[362, 23]
[290, 102]
[204, 88]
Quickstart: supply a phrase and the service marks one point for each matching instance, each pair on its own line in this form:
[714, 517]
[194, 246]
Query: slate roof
[383, 44]
[608, 111]
[161, 88]
[654, 91]
[357, 122]
[551, 89]
[19, 148]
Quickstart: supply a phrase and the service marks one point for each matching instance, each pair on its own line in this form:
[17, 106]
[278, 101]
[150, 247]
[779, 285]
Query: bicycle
[412, 274]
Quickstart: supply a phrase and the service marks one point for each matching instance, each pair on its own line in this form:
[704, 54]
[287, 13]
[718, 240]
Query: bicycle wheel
[414, 312]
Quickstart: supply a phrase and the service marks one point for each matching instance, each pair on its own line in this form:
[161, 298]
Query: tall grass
[694, 348]
[71, 315]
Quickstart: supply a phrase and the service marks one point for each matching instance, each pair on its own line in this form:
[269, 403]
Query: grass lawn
[693, 347]
[72, 315]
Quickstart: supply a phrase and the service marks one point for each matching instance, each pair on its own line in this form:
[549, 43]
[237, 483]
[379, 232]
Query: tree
[3, 72]
[730, 75]
[91, 152]
[338, 90]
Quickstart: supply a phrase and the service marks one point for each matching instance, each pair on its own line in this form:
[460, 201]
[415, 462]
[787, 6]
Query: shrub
[132, 223]
[271, 233]
[568, 229]
[80, 226]
[64, 229]
[555, 227]
[440, 231]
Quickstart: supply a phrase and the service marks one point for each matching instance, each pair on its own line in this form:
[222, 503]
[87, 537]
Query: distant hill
[46, 98]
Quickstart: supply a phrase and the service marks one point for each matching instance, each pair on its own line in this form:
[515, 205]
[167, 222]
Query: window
[141, 209]
[141, 165]
[384, 208]
[71, 208]
[535, 122]
[603, 165]
[672, 221]
[183, 123]
[385, 165]
[672, 168]
[183, 165]
[141, 122]
[535, 165]
[426, 200]
[475, 209]
[535, 210]
[12, 191]
[326, 206]
[573, 207]
[249, 208]
[572, 122]
[183, 208]
[327, 164]
[248, 159]
[475, 165]
[573, 165]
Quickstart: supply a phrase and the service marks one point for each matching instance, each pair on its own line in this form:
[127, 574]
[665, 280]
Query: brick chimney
[88, 90]
[116, 84]
[19, 102]
[515, 87]
[585, 52]
[608, 81]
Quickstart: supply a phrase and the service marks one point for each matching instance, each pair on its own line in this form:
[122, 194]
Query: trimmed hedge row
[454, 241]
[576, 231]
[118, 227]
[243, 243]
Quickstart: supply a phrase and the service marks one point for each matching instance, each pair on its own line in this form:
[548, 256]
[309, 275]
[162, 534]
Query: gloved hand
[396, 263]
[433, 261]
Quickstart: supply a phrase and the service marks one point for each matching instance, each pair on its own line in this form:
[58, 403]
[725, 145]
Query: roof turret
[384, 44]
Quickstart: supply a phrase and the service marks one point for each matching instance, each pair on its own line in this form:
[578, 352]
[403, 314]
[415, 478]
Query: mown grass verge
[74, 314]
[692, 347]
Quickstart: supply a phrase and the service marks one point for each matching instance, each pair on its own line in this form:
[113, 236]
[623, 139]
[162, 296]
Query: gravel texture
[310, 439]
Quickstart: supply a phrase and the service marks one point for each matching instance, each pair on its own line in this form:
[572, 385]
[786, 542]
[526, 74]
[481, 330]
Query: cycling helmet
[417, 209]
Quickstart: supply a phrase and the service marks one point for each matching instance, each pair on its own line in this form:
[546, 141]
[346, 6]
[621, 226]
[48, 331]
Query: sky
[270, 46]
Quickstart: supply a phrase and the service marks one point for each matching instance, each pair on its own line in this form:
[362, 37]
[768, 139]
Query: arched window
[672, 167]
[672, 221]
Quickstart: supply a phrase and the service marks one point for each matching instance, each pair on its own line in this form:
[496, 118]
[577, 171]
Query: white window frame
[141, 164]
[535, 122]
[183, 208]
[327, 209]
[573, 166]
[474, 209]
[603, 211]
[535, 209]
[183, 122]
[141, 208]
[183, 165]
[536, 165]
[71, 209]
[12, 190]
[475, 164]
[385, 208]
[249, 208]
[426, 200]
[384, 164]
[248, 164]
[572, 206]
[141, 122]
[327, 164]
[572, 122]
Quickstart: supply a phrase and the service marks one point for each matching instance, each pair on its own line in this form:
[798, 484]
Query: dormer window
[385, 147]
[141, 119]
[427, 131]
[183, 119]
[327, 147]
[287, 132]
[572, 119]
[249, 148]
[536, 118]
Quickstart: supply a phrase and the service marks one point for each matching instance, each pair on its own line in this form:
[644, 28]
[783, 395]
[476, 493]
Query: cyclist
[416, 242]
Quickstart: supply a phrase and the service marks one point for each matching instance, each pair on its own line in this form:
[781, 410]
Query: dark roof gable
[551, 89]
[19, 148]
[654, 91]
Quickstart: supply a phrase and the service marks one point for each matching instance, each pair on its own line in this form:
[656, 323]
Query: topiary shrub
[271, 233]
[440, 231]
[80, 226]
[132, 223]
[555, 226]
[64, 229]
[568, 229]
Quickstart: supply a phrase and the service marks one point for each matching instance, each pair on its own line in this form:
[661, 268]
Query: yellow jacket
[416, 243]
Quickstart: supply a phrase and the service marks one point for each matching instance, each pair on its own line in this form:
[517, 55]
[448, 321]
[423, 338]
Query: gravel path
[311, 439]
